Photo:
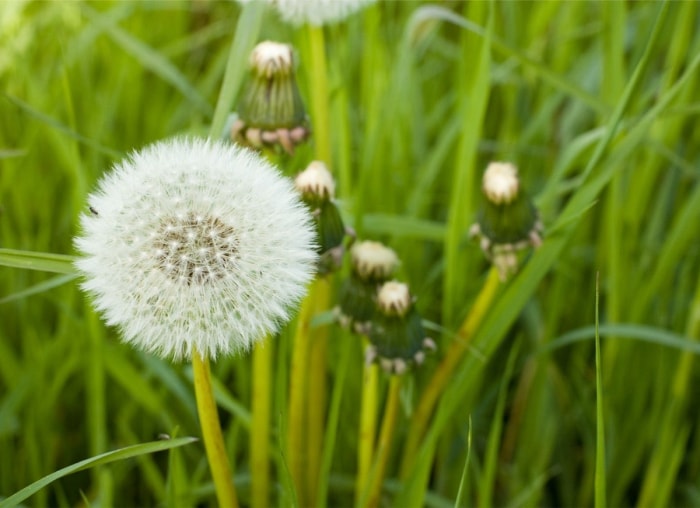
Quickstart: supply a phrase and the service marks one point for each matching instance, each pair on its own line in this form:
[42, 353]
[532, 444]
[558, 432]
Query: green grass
[596, 102]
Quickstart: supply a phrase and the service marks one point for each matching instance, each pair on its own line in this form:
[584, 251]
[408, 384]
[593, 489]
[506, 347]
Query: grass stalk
[97, 408]
[600, 473]
[441, 377]
[391, 412]
[331, 434]
[211, 432]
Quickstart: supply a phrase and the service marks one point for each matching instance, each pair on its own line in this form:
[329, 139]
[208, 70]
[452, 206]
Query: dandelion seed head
[315, 12]
[198, 246]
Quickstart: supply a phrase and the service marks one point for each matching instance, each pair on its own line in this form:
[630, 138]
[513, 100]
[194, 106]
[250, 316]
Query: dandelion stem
[391, 411]
[368, 423]
[317, 393]
[450, 361]
[318, 70]
[298, 383]
[260, 436]
[211, 432]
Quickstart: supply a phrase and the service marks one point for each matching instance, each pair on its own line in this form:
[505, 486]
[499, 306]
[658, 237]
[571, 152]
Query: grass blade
[102, 459]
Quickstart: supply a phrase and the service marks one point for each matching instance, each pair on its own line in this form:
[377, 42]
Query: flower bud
[397, 337]
[372, 264]
[508, 220]
[272, 112]
[317, 189]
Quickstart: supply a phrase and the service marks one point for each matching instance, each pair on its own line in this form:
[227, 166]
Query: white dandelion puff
[195, 246]
[315, 12]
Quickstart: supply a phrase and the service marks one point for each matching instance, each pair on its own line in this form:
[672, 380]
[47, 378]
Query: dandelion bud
[271, 113]
[372, 264]
[508, 220]
[197, 247]
[372, 261]
[317, 189]
[397, 337]
[315, 183]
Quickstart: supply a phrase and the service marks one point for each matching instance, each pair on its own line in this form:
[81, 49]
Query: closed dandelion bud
[372, 264]
[397, 337]
[317, 190]
[271, 113]
[508, 220]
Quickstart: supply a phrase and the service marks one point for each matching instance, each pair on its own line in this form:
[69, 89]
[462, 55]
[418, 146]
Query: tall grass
[597, 103]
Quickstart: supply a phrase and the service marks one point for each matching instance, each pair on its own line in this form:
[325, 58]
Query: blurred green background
[596, 102]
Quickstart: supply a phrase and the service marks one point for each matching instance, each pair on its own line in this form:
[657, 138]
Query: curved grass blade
[53, 282]
[104, 458]
[641, 333]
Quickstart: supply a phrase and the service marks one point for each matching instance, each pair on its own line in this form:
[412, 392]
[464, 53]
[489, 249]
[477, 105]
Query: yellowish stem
[450, 361]
[211, 432]
[297, 456]
[318, 71]
[391, 411]
[260, 437]
[368, 424]
[317, 392]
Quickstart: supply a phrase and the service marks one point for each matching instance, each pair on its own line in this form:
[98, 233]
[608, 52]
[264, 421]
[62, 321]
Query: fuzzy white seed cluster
[195, 245]
[315, 12]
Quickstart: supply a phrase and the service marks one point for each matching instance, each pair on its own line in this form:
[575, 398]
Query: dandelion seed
[228, 253]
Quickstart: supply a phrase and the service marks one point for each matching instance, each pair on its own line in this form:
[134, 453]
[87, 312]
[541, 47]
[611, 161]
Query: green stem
[368, 423]
[211, 432]
[391, 411]
[316, 402]
[318, 76]
[260, 436]
[298, 383]
[431, 394]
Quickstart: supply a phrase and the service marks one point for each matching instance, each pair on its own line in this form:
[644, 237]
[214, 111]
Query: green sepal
[356, 299]
[508, 223]
[330, 227]
[398, 336]
[272, 103]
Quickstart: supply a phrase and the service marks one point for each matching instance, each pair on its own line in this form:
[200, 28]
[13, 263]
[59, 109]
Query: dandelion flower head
[195, 246]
